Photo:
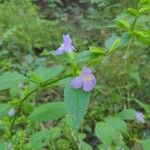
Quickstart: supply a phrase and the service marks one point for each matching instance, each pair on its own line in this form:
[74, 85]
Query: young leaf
[97, 50]
[76, 101]
[8, 80]
[105, 133]
[117, 124]
[48, 112]
[122, 23]
[144, 9]
[127, 114]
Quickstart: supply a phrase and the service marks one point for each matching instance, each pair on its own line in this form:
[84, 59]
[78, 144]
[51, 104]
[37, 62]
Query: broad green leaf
[125, 37]
[113, 42]
[45, 135]
[42, 138]
[146, 144]
[146, 107]
[122, 23]
[84, 56]
[3, 146]
[127, 114]
[116, 123]
[49, 111]
[3, 110]
[85, 146]
[76, 101]
[105, 133]
[8, 80]
[49, 73]
[144, 9]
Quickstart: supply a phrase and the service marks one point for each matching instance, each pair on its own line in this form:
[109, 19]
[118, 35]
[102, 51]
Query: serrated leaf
[49, 111]
[127, 114]
[146, 144]
[8, 80]
[116, 123]
[105, 133]
[76, 101]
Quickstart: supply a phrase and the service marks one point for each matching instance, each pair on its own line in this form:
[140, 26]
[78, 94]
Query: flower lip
[86, 80]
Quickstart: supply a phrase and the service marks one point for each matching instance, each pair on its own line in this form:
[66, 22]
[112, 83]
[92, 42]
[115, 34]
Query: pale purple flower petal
[139, 117]
[93, 79]
[76, 83]
[11, 112]
[66, 46]
[88, 86]
[86, 78]
[67, 39]
[60, 50]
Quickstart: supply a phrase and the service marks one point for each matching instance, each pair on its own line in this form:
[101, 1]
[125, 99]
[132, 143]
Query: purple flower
[11, 112]
[66, 46]
[85, 80]
[139, 117]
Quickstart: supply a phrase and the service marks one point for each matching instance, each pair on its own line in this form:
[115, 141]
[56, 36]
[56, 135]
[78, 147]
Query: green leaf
[116, 123]
[144, 9]
[3, 146]
[84, 56]
[146, 107]
[122, 23]
[85, 146]
[127, 114]
[146, 144]
[3, 110]
[97, 50]
[113, 42]
[49, 73]
[76, 101]
[8, 80]
[105, 133]
[40, 139]
[132, 11]
[49, 111]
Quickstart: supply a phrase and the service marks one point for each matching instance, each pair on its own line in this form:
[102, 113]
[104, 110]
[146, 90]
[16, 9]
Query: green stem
[45, 84]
